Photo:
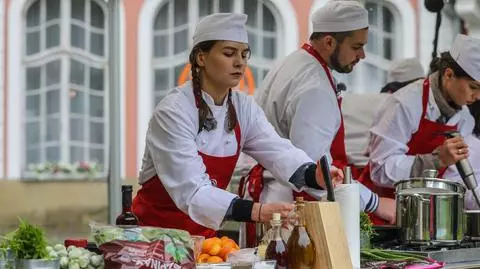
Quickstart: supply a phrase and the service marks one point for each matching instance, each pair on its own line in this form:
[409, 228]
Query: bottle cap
[127, 187]
[276, 216]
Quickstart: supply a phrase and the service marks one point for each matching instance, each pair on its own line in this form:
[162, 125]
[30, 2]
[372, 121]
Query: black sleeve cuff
[311, 178]
[240, 210]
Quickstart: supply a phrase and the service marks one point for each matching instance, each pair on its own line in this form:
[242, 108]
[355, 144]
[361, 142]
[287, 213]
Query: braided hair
[205, 115]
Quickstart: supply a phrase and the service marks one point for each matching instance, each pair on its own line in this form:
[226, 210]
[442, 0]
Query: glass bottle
[300, 247]
[277, 249]
[127, 218]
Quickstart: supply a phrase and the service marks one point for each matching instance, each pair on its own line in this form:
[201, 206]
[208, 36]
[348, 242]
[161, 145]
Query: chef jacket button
[227, 142]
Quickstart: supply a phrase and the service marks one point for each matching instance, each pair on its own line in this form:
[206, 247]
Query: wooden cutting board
[324, 223]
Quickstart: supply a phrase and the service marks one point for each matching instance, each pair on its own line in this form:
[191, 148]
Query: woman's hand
[264, 212]
[452, 151]
[335, 173]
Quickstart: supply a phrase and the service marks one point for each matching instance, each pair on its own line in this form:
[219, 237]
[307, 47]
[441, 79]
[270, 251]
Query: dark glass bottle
[301, 250]
[127, 218]
[277, 249]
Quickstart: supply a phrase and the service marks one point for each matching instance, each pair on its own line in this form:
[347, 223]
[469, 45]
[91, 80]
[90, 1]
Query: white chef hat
[221, 26]
[340, 16]
[466, 52]
[405, 70]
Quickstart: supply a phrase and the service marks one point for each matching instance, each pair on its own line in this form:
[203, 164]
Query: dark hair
[204, 112]
[446, 61]
[338, 36]
[396, 85]
[475, 111]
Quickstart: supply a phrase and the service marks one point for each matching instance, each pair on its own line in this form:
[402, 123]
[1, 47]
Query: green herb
[28, 242]
[366, 225]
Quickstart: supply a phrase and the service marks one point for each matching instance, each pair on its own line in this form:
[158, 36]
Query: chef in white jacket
[300, 99]
[473, 142]
[197, 132]
[407, 137]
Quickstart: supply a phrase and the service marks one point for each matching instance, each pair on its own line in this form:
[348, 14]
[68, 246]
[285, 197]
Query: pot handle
[419, 197]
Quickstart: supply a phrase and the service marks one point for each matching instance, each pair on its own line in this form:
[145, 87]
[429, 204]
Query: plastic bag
[144, 247]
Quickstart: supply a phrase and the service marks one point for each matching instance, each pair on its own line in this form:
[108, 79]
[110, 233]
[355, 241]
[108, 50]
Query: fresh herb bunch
[28, 242]
[366, 225]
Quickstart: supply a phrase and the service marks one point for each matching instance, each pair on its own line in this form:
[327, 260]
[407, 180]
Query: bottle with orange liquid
[300, 247]
[277, 249]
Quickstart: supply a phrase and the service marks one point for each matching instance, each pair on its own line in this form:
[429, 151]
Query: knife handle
[328, 180]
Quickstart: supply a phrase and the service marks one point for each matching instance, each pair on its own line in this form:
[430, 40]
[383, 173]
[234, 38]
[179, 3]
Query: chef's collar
[209, 100]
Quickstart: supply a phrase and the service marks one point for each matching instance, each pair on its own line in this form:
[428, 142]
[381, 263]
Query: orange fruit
[228, 243]
[225, 251]
[203, 258]
[208, 244]
[214, 259]
[215, 249]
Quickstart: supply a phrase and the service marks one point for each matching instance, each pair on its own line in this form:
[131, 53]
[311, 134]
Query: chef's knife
[328, 180]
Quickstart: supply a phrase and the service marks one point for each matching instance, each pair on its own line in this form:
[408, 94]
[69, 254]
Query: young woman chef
[408, 134]
[197, 132]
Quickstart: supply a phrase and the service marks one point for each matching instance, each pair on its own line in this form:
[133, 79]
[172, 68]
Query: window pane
[33, 43]
[76, 154]
[96, 155]
[375, 75]
[53, 72]
[269, 47]
[77, 38]
[33, 14]
[33, 78]
[96, 133]
[256, 74]
[96, 15]
[96, 106]
[78, 9]
[33, 133]
[160, 46]
[205, 7]
[33, 106]
[372, 13]
[225, 5]
[76, 130]
[181, 41]
[388, 48]
[387, 20]
[77, 73]
[77, 102]
[251, 10]
[53, 102]
[53, 9]
[252, 42]
[161, 80]
[372, 45]
[161, 21]
[53, 129]
[96, 44]
[53, 154]
[268, 20]
[96, 79]
[181, 12]
[33, 156]
[53, 36]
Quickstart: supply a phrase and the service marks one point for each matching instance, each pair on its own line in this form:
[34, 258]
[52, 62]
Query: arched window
[65, 59]
[173, 28]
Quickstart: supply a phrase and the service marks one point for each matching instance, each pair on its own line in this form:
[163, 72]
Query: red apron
[427, 138]
[154, 207]
[255, 176]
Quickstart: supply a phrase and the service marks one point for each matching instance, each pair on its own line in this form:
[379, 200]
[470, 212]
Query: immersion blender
[466, 172]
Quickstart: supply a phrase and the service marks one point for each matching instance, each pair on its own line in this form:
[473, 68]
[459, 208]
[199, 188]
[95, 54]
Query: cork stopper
[276, 217]
[299, 199]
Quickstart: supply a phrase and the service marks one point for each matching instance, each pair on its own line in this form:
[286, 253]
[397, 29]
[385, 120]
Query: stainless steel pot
[472, 225]
[430, 210]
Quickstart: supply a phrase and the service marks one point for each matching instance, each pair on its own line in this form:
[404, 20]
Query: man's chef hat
[221, 26]
[405, 70]
[340, 16]
[466, 52]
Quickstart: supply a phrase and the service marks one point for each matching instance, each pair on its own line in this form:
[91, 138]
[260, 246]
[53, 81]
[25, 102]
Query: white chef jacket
[358, 112]
[299, 101]
[172, 146]
[393, 126]
[451, 173]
